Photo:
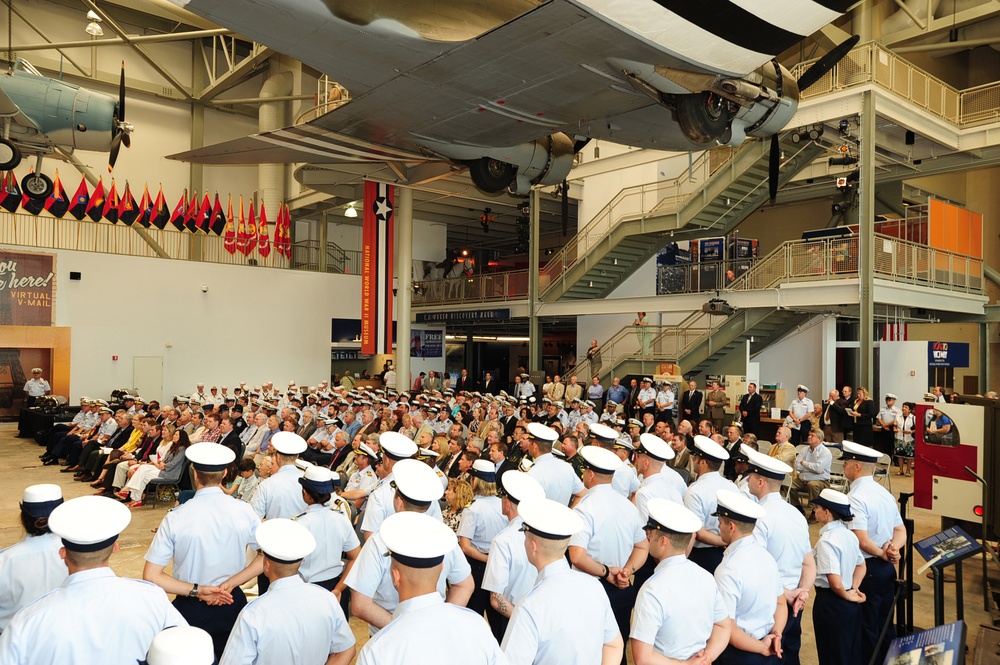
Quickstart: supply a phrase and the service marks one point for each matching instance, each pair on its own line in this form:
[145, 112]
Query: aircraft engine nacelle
[775, 102]
[68, 115]
[545, 161]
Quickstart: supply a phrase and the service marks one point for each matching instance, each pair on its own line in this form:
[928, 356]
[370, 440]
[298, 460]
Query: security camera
[204, 288]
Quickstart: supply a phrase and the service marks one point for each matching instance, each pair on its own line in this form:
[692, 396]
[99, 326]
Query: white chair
[838, 481]
[883, 471]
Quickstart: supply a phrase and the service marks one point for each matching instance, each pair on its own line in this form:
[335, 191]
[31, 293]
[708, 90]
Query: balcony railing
[474, 288]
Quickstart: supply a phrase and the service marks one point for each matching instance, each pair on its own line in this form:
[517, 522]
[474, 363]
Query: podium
[947, 548]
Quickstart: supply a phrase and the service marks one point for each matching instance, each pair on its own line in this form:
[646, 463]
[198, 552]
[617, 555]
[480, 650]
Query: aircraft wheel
[10, 155]
[491, 175]
[37, 186]
[702, 117]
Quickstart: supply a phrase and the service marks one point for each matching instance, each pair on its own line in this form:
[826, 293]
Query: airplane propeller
[808, 78]
[121, 131]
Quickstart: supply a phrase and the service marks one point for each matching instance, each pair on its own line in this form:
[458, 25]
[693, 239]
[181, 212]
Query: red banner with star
[377, 236]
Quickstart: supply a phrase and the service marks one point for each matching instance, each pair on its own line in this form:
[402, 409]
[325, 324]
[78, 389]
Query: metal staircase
[636, 224]
[762, 326]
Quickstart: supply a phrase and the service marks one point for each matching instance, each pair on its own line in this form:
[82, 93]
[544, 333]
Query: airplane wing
[555, 68]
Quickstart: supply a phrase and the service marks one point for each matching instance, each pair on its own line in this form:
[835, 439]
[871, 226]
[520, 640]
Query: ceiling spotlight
[93, 28]
[351, 211]
[93, 16]
[465, 252]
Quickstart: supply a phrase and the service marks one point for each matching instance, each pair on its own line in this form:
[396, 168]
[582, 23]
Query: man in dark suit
[750, 410]
[509, 422]
[490, 386]
[842, 406]
[633, 395]
[832, 418]
[465, 382]
[691, 403]
[449, 465]
[230, 437]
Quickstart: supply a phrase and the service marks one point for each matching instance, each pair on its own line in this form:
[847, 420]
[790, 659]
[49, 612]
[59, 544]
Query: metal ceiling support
[235, 72]
[129, 40]
[866, 242]
[261, 100]
[38, 31]
[948, 46]
[937, 27]
[93, 180]
[138, 49]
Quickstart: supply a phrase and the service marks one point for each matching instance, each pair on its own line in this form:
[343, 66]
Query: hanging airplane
[512, 89]
[40, 114]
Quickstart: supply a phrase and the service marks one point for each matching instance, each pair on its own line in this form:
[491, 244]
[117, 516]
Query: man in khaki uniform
[715, 404]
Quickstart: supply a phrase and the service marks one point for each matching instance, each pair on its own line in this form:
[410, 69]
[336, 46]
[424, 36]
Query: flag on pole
[229, 244]
[204, 215]
[377, 229]
[128, 211]
[57, 204]
[10, 195]
[263, 241]
[191, 215]
[95, 207]
[179, 216]
[895, 332]
[31, 205]
[286, 232]
[241, 232]
[161, 213]
[251, 231]
[217, 223]
[145, 207]
[110, 212]
[81, 201]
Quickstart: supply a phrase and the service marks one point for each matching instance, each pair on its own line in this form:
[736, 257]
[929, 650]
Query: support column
[468, 359]
[866, 240]
[322, 239]
[404, 285]
[984, 358]
[196, 247]
[534, 325]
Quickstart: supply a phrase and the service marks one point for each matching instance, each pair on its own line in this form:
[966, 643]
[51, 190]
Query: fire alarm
[114, 357]
[913, 372]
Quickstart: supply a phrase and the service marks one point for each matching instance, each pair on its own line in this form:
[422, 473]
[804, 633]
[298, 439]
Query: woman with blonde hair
[458, 496]
[863, 412]
[480, 524]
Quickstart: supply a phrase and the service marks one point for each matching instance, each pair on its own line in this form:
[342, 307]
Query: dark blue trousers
[837, 626]
[879, 587]
[216, 620]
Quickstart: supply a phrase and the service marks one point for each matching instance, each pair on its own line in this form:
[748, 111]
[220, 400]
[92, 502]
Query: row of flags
[243, 231]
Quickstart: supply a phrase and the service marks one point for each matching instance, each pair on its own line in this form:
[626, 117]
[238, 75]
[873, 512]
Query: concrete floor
[25, 469]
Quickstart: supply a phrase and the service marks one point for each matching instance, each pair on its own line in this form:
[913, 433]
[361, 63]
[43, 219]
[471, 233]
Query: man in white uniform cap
[749, 584]
[281, 495]
[206, 537]
[679, 612]
[69, 624]
[658, 481]
[556, 476]
[700, 498]
[294, 622]
[418, 546]
[509, 575]
[537, 633]
[33, 566]
[395, 447]
[784, 533]
[181, 645]
[415, 488]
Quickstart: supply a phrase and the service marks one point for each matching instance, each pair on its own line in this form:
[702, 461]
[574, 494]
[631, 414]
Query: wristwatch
[194, 592]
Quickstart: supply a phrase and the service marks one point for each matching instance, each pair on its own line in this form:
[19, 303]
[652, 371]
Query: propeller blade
[121, 95]
[116, 144]
[127, 139]
[774, 161]
[827, 62]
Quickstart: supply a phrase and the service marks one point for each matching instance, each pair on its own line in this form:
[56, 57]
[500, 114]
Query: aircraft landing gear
[10, 155]
[491, 175]
[37, 186]
[702, 117]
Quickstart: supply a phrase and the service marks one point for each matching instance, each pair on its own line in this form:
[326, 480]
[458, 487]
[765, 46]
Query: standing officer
[537, 632]
[280, 495]
[418, 545]
[293, 622]
[645, 400]
[70, 624]
[395, 447]
[35, 387]
[206, 537]
[659, 481]
[749, 584]
[611, 546]
[556, 476]
[508, 575]
[784, 533]
[798, 412]
[679, 612]
[700, 498]
[715, 405]
[881, 534]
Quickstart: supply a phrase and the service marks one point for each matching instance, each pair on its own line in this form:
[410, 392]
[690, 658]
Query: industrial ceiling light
[351, 211]
[94, 27]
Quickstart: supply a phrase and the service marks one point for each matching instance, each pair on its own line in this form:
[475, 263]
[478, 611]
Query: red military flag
[145, 207]
[10, 195]
[241, 232]
[204, 215]
[179, 216]
[95, 208]
[191, 215]
[161, 213]
[251, 231]
[128, 211]
[278, 242]
[57, 204]
[263, 242]
[286, 234]
[111, 204]
[217, 223]
[377, 232]
[229, 244]
[81, 200]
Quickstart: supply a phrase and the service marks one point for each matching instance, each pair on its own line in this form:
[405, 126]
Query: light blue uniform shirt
[749, 585]
[334, 535]
[784, 533]
[28, 570]
[70, 624]
[508, 571]
[656, 486]
[280, 495]
[556, 477]
[874, 510]
[611, 526]
[482, 521]
[677, 608]
[293, 622]
[540, 632]
[370, 574]
[838, 553]
[37, 387]
[380, 505]
[626, 480]
[409, 637]
[700, 500]
[362, 479]
[207, 537]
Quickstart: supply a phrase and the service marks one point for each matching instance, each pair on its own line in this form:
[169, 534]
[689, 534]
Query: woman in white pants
[167, 466]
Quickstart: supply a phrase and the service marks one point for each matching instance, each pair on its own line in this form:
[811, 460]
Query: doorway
[147, 377]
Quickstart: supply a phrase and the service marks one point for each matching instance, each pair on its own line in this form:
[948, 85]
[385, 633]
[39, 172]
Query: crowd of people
[663, 526]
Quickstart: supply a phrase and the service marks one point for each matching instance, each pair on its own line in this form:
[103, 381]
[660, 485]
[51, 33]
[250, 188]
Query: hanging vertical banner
[376, 268]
